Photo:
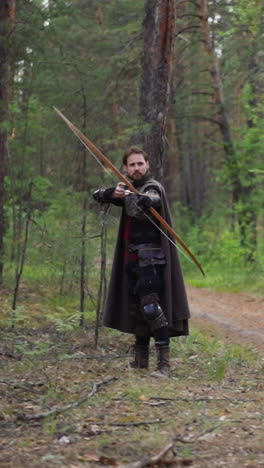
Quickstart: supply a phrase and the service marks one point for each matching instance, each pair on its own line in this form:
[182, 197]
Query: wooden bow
[90, 146]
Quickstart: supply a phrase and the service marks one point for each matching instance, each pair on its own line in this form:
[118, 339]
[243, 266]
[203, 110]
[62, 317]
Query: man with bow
[146, 295]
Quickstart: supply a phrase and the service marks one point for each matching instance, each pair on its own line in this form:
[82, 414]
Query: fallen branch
[8, 444]
[239, 400]
[150, 461]
[136, 423]
[8, 354]
[26, 385]
[56, 411]
[159, 458]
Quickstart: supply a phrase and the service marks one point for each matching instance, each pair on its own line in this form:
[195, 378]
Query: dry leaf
[143, 398]
[89, 457]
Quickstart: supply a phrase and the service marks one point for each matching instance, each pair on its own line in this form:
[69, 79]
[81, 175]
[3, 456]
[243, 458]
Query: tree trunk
[208, 41]
[7, 14]
[241, 193]
[158, 38]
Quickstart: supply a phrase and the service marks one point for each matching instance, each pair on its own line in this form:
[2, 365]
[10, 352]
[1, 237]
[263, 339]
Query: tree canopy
[198, 108]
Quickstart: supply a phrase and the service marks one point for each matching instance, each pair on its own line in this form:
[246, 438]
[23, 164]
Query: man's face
[136, 166]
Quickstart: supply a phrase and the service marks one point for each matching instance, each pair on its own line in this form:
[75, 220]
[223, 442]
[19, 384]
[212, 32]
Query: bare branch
[75, 404]
[159, 458]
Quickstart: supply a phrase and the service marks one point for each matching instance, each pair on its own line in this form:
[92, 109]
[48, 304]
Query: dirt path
[236, 317]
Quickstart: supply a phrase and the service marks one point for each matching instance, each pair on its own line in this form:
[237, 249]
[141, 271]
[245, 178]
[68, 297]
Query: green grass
[233, 280]
[56, 369]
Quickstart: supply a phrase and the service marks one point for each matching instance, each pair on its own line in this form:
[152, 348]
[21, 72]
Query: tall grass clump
[211, 357]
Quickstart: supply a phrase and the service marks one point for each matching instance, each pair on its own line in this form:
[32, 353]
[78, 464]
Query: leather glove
[103, 195]
[144, 202]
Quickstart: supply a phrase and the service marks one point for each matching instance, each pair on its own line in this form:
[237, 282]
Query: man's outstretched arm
[114, 195]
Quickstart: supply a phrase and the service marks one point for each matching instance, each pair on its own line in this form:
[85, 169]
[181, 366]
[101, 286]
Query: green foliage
[62, 325]
[211, 355]
[17, 317]
[250, 15]
[88, 65]
[50, 427]
[215, 241]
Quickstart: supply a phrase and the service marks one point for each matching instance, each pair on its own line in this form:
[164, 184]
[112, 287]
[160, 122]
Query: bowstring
[163, 232]
[94, 155]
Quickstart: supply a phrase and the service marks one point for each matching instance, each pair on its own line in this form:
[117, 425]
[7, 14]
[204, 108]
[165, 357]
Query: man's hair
[132, 150]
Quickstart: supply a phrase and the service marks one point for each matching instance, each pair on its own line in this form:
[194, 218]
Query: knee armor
[154, 315]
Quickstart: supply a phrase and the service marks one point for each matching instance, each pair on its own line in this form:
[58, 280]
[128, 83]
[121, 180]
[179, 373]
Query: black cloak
[118, 313]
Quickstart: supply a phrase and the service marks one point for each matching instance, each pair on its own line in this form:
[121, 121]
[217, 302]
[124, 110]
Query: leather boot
[141, 359]
[163, 361]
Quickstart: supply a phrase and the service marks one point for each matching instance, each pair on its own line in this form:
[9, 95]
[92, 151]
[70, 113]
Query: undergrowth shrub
[224, 260]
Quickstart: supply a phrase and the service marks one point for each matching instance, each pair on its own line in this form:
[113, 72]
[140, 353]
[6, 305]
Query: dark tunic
[119, 310]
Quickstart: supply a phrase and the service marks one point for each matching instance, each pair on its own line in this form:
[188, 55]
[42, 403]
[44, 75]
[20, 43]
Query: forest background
[195, 101]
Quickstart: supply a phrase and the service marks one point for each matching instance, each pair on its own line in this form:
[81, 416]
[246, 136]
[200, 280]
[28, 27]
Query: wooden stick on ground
[159, 458]
[75, 404]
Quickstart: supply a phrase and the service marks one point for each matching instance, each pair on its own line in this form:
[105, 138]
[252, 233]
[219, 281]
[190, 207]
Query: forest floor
[64, 403]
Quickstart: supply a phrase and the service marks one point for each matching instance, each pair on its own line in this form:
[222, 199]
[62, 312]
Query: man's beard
[140, 180]
[137, 176]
